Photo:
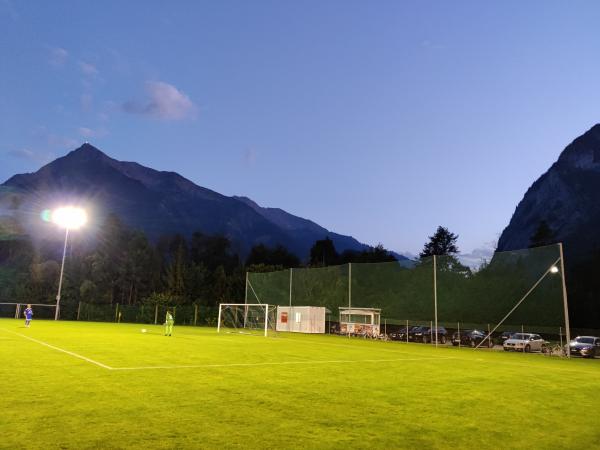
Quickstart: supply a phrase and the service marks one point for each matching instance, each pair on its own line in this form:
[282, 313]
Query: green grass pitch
[98, 385]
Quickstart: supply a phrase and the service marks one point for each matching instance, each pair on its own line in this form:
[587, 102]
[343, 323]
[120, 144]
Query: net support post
[219, 320]
[266, 318]
[435, 298]
[78, 309]
[349, 295]
[565, 300]
[560, 337]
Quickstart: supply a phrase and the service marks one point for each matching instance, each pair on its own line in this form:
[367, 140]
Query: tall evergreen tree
[323, 253]
[543, 235]
[443, 242]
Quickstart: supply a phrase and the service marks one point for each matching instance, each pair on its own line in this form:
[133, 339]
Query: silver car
[525, 342]
[586, 346]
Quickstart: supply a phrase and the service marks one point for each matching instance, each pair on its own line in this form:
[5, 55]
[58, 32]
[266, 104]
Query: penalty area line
[281, 363]
[62, 350]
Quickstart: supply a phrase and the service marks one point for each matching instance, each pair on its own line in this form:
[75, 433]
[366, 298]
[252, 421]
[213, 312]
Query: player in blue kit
[28, 313]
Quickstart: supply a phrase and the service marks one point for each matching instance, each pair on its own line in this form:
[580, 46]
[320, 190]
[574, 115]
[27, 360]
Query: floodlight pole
[246, 301]
[565, 301]
[349, 297]
[290, 311]
[435, 298]
[62, 271]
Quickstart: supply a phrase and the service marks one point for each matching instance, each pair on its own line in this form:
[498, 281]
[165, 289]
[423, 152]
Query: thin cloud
[427, 44]
[88, 69]
[478, 256]
[86, 101]
[249, 157]
[32, 156]
[58, 56]
[53, 140]
[164, 101]
[90, 133]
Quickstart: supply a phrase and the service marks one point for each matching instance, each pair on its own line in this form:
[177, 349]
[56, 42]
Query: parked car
[586, 346]
[427, 334]
[471, 338]
[400, 334]
[525, 342]
[504, 336]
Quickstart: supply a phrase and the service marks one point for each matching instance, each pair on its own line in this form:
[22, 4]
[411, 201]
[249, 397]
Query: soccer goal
[15, 310]
[247, 318]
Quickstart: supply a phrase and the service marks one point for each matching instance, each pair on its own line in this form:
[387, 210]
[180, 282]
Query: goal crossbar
[260, 306]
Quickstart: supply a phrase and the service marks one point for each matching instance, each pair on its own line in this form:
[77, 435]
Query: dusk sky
[377, 119]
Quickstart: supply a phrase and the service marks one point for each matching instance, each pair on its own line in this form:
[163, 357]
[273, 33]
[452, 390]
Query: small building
[301, 319]
[360, 321]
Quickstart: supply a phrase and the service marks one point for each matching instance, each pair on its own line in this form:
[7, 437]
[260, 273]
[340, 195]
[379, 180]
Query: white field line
[199, 366]
[53, 347]
[279, 363]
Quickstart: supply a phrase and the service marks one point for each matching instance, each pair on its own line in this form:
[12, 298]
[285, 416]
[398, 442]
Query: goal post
[15, 310]
[247, 318]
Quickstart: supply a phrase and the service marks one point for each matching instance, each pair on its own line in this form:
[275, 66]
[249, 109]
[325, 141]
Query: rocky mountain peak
[565, 198]
[583, 152]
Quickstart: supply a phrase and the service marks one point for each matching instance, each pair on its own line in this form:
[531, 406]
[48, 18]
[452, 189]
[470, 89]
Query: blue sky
[379, 119]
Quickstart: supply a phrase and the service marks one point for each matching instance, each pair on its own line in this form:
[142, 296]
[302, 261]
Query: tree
[443, 242]
[279, 256]
[323, 253]
[213, 251]
[543, 235]
[370, 255]
[176, 270]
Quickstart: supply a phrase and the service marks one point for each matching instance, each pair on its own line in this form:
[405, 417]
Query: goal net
[247, 318]
[519, 290]
[16, 310]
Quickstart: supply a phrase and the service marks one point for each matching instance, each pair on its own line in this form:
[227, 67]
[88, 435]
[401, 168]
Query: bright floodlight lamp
[554, 269]
[69, 218]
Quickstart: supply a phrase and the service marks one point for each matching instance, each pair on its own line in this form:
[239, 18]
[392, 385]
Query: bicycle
[553, 350]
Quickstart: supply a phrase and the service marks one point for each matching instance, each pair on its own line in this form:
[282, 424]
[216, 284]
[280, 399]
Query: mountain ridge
[564, 197]
[161, 202]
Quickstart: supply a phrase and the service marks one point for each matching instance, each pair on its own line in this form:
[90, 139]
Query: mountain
[566, 198]
[156, 202]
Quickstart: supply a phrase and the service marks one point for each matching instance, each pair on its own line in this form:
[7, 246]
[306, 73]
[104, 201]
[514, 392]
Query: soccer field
[100, 385]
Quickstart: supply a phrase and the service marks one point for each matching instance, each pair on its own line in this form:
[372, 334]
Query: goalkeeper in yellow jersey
[169, 321]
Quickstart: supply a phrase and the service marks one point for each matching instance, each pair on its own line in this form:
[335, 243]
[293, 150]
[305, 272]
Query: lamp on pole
[69, 218]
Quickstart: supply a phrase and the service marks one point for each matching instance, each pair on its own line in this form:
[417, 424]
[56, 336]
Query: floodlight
[554, 269]
[69, 217]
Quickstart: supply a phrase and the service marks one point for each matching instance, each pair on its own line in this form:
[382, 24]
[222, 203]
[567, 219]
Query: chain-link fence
[515, 291]
[196, 315]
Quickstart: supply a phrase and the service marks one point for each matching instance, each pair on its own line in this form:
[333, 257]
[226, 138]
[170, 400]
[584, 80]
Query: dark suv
[400, 334]
[427, 334]
[471, 338]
